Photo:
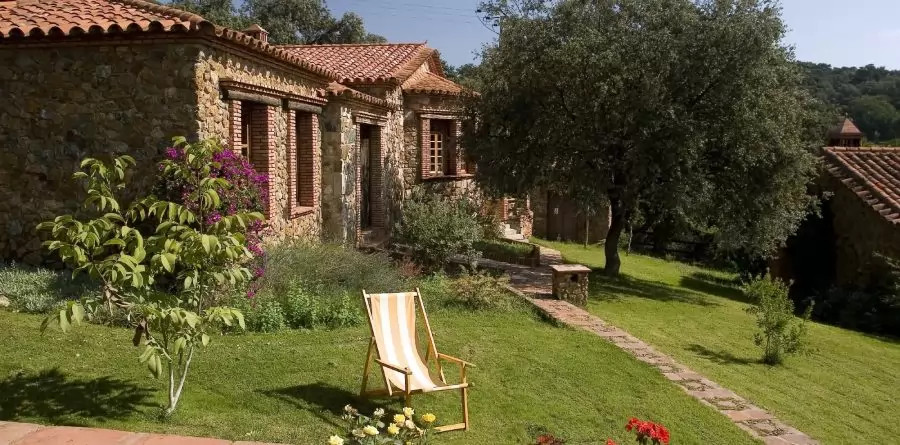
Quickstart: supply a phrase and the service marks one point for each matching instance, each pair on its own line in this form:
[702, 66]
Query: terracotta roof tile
[74, 18]
[873, 173]
[430, 83]
[337, 90]
[367, 63]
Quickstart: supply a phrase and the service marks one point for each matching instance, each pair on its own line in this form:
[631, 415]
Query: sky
[837, 32]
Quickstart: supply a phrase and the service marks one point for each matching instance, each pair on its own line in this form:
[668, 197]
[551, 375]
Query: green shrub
[779, 332]
[328, 271]
[266, 316]
[506, 251]
[38, 290]
[305, 310]
[436, 228]
[470, 291]
[874, 307]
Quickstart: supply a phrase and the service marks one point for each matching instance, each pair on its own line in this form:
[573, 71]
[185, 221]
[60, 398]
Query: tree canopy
[869, 95]
[670, 107]
[287, 21]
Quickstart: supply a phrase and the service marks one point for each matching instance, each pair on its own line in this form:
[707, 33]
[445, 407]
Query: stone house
[860, 215]
[559, 218]
[343, 131]
[413, 143]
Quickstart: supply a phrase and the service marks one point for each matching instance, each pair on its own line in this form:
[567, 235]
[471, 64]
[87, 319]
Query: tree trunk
[611, 248]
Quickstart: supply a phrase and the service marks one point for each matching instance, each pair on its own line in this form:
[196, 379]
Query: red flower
[631, 423]
[610, 442]
[648, 430]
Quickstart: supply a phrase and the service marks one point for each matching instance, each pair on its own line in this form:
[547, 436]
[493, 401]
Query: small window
[437, 153]
[305, 128]
[246, 129]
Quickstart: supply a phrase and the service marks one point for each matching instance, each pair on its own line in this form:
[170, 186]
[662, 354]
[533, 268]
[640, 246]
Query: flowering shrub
[647, 432]
[245, 191]
[401, 430]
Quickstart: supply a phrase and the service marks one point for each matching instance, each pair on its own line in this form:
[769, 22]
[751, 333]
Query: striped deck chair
[392, 318]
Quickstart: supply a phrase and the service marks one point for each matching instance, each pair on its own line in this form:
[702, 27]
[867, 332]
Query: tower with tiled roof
[846, 134]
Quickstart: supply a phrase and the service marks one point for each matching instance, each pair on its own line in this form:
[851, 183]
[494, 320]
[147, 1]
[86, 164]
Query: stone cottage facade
[344, 132]
[385, 155]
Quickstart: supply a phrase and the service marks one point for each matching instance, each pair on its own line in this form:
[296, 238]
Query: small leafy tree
[779, 333]
[169, 283]
[436, 228]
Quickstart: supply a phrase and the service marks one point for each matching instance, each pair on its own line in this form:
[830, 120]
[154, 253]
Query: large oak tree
[689, 108]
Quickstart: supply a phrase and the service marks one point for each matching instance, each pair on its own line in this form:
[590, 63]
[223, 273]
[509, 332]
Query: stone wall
[340, 158]
[214, 65]
[65, 102]
[413, 106]
[860, 232]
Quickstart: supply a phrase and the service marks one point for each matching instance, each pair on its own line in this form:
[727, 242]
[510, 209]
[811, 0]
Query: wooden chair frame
[390, 389]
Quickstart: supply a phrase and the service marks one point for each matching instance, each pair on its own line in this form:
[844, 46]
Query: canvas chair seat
[392, 319]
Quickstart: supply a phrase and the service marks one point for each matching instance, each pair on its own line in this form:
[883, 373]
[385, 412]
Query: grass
[844, 391]
[290, 386]
[499, 249]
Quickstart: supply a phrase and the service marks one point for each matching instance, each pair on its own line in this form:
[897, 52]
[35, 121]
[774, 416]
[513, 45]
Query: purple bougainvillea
[247, 192]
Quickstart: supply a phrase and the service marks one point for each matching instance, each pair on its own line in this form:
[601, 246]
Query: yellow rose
[408, 411]
[370, 430]
[399, 419]
[393, 429]
[428, 418]
[335, 440]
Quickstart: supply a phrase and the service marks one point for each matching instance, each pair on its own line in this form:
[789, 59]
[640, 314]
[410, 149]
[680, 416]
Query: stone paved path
[14, 433]
[535, 285]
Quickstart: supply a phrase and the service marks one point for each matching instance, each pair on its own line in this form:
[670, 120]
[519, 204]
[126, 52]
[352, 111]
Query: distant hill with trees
[869, 95]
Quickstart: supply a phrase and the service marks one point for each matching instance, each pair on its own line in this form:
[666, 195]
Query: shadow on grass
[321, 397]
[53, 397]
[713, 285]
[611, 289]
[720, 357]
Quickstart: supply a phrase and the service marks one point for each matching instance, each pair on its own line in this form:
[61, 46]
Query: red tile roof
[73, 18]
[430, 83]
[337, 90]
[369, 62]
[873, 173]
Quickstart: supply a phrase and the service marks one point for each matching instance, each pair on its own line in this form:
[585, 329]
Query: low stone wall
[69, 101]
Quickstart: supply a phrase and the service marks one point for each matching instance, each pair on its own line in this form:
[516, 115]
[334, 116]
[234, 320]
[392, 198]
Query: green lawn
[844, 391]
[290, 386]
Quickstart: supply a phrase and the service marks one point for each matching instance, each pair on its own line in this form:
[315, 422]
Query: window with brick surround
[304, 180]
[436, 153]
[246, 124]
[252, 136]
[441, 156]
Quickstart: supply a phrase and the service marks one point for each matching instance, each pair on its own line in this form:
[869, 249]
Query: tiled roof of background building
[368, 62]
[873, 173]
[27, 19]
[429, 83]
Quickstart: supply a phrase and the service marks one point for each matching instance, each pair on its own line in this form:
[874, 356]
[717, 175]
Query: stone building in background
[344, 132]
[860, 216]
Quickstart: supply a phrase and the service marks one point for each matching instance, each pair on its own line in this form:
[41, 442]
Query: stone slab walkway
[535, 285]
[14, 433]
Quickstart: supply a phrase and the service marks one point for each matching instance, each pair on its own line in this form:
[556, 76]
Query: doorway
[367, 159]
